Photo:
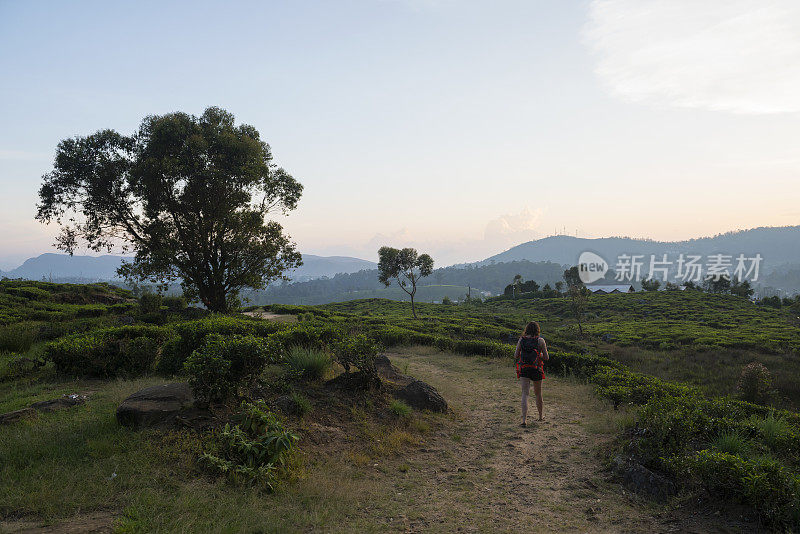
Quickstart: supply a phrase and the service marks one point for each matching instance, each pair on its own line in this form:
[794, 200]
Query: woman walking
[530, 356]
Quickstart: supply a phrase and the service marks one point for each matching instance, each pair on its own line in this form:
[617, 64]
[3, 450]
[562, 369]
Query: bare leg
[526, 387]
[537, 390]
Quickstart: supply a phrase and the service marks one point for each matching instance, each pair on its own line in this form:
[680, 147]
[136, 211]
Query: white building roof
[622, 288]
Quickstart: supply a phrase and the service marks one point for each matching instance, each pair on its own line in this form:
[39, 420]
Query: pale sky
[459, 127]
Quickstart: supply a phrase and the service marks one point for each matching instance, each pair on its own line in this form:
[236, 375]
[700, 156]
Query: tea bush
[754, 383]
[150, 302]
[223, 364]
[124, 351]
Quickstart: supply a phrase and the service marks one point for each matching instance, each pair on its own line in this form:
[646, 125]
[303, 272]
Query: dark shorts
[532, 373]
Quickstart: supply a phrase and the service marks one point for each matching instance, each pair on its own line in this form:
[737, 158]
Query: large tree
[406, 267]
[578, 294]
[189, 195]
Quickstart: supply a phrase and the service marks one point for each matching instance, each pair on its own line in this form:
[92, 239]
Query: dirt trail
[484, 473]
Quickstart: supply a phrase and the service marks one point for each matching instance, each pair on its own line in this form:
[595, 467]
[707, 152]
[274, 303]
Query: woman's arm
[517, 350]
[543, 347]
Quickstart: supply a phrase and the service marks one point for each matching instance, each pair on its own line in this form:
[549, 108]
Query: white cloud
[741, 56]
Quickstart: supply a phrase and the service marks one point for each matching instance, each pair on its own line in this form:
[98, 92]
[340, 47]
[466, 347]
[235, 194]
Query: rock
[65, 401]
[388, 371]
[422, 396]
[641, 480]
[155, 406]
[358, 381]
[16, 415]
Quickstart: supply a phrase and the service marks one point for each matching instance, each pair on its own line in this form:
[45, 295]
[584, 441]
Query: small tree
[579, 295]
[650, 284]
[404, 266]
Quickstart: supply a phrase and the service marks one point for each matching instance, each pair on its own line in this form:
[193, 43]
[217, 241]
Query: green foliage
[301, 402]
[400, 409]
[762, 483]
[124, 351]
[175, 304]
[310, 362]
[731, 442]
[18, 337]
[755, 382]
[172, 357]
[150, 302]
[255, 451]
[201, 224]
[358, 351]
[223, 364]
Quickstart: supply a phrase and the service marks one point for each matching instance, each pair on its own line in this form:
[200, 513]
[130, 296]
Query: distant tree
[188, 194]
[650, 284]
[741, 289]
[516, 283]
[690, 285]
[559, 287]
[721, 284]
[669, 286]
[578, 294]
[404, 266]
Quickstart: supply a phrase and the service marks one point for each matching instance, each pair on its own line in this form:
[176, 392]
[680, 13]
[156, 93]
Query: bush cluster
[255, 451]
[224, 364]
[123, 351]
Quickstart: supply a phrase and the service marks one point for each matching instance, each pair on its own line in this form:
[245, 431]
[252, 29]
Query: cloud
[740, 56]
[518, 227]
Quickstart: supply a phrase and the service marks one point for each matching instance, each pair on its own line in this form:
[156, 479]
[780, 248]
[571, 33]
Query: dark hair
[532, 329]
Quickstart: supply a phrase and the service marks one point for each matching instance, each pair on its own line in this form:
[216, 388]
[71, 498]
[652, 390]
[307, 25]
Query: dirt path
[483, 473]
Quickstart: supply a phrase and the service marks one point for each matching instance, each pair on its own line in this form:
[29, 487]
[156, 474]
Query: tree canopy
[190, 195]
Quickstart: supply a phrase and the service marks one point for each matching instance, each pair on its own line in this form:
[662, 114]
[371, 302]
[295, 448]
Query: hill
[777, 245]
[63, 267]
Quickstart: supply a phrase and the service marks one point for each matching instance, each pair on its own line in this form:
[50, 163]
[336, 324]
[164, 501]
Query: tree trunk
[413, 310]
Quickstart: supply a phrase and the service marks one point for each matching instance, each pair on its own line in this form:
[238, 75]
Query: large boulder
[422, 396]
[155, 406]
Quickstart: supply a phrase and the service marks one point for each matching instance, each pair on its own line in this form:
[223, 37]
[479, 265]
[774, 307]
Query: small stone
[16, 415]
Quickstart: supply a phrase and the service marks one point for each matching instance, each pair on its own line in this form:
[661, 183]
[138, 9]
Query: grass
[732, 443]
[400, 409]
[18, 337]
[302, 403]
[312, 363]
[773, 429]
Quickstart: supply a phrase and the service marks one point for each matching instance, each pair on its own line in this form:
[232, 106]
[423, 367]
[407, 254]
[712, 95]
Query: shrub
[774, 430]
[253, 452]
[309, 362]
[754, 382]
[123, 351]
[400, 409]
[150, 302]
[172, 357]
[222, 364]
[18, 337]
[175, 304]
[359, 351]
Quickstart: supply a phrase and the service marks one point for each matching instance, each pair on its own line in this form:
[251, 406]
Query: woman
[530, 356]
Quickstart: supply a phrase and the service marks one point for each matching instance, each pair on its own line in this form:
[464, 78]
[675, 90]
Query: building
[605, 290]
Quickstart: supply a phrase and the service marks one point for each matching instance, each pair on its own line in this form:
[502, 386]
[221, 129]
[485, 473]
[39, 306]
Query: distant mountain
[777, 246]
[82, 268]
[66, 267]
[319, 266]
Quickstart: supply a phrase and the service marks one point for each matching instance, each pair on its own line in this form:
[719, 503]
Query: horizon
[6, 267]
[424, 123]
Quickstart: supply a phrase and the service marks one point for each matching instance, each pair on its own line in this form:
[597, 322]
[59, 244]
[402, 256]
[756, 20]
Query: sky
[459, 127]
